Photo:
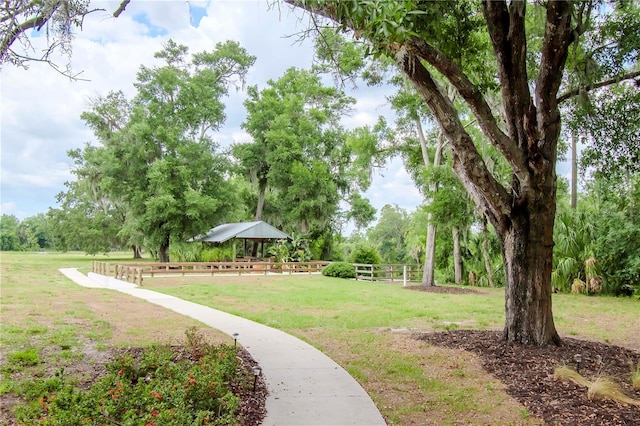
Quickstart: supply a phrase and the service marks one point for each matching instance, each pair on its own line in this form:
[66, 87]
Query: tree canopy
[156, 164]
[521, 51]
[300, 160]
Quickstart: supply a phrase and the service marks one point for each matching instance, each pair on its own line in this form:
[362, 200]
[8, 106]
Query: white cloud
[393, 185]
[8, 208]
[241, 136]
[51, 178]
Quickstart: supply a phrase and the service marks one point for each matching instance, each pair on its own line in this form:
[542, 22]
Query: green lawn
[366, 327]
[298, 303]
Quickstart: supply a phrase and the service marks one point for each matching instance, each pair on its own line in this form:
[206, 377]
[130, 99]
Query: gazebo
[258, 232]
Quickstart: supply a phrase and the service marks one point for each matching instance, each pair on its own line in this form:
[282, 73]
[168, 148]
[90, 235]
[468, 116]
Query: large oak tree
[436, 37]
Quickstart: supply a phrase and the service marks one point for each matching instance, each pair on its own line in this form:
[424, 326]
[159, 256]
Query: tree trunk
[430, 246]
[137, 251]
[574, 170]
[163, 253]
[262, 190]
[429, 258]
[457, 262]
[254, 248]
[528, 248]
[485, 252]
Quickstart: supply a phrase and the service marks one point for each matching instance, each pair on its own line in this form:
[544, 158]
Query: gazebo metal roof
[248, 230]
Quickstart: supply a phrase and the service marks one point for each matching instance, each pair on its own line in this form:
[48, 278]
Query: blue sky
[41, 109]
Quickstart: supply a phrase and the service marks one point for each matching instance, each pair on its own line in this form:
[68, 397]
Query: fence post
[404, 275]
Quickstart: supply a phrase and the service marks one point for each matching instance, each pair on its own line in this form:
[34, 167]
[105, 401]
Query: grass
[600, 388]
[49, 324]
[306, 302]
[603, 388]
[302, 303]
[635, 376]
[362, 325]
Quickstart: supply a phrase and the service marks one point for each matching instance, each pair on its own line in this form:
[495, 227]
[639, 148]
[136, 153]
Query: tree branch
[506, 27]
[475, 100]
[486, 191]
[10, 14]
[574, 92]
[558, 36]
[121, 8]
[11, 36]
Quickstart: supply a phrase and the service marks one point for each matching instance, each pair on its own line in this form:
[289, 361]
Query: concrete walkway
[305, 386]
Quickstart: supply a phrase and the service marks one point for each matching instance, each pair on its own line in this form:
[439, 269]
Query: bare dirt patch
[137, 322]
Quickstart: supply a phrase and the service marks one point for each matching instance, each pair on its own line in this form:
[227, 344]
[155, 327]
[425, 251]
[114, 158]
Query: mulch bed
[527, 372]
[252, 403]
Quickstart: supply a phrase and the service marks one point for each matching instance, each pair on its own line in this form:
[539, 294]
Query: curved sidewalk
[305, 386]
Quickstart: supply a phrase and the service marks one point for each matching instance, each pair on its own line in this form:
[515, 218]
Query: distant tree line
[32, 233]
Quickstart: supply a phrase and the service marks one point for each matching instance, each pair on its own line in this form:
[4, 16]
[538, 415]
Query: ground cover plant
[62, 346]
[157, 386]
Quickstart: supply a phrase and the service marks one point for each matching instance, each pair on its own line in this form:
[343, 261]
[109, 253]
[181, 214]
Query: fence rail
[388, 272]
[135, 272]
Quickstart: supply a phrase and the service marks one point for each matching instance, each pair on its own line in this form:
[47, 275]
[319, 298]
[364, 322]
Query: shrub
[157, 387]
[366, 255]
[216, 254]
[184, 252]
[339, 270]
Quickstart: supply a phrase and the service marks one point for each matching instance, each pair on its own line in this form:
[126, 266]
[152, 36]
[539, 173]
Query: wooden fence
[388, 272]
[134, 272]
